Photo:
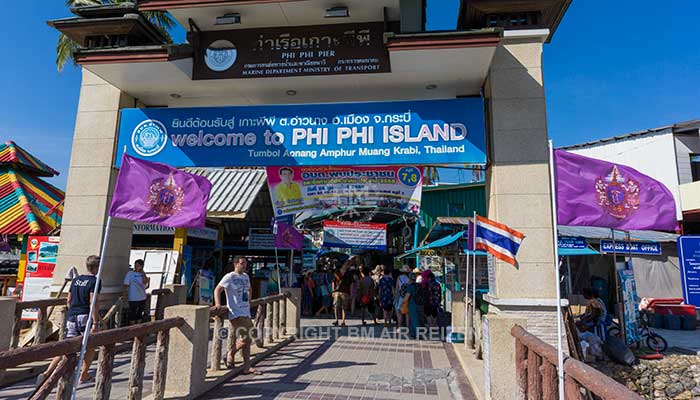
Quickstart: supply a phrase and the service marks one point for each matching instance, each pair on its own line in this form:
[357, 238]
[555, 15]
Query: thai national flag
[497, 239]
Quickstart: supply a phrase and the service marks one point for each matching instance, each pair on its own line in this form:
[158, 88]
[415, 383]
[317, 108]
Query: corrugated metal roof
[681, 127]
[590, 232]
[233, 189]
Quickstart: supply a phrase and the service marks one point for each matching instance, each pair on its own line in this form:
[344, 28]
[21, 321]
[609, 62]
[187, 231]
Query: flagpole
[474, 276]
[555, 223]
[469, 333]
[88, 326]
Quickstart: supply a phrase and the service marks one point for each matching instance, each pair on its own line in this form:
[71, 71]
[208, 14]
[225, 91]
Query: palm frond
[64, 50]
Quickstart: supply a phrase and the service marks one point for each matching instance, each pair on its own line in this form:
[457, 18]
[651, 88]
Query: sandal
[252, 371]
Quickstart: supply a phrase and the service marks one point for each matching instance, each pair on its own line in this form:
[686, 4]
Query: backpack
[435, 294]
[421, 295]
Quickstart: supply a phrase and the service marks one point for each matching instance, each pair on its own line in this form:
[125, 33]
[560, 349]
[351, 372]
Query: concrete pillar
[458, 309]
[518, 195]
[293, 311]
[91, 179]
[178, 295]
[7, 313]
[187, 352]
[412, 15]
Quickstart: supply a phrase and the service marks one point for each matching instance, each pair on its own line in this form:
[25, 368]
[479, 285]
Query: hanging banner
[312, 191]
[631, 307]
[359, 235]
[41, 261]
[641, 248]
[261, 239]
[689, 257]
[330, 49]
[206, 287]
[402, 132]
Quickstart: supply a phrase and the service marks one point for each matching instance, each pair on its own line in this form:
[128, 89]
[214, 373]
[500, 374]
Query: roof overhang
[79, 29]
[423, 66]
[271, 13]
[472, 12]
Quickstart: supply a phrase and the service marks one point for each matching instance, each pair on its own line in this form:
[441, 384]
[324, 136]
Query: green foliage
[65, 47]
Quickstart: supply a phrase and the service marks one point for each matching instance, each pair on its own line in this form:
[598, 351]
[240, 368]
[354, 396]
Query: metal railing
[537, 377]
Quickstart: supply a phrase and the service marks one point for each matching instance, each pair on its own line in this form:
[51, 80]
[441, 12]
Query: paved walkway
[337, 365]
[327, 363]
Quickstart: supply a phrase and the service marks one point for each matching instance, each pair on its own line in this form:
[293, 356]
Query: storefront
[295, 84]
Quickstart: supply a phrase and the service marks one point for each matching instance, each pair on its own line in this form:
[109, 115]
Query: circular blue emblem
[220, 55]
[409, 176]
[149, 138]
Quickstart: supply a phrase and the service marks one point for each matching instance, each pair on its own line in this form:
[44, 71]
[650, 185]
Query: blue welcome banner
[404, 132]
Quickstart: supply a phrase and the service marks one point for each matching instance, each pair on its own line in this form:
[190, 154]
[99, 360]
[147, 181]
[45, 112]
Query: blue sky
[612, 68]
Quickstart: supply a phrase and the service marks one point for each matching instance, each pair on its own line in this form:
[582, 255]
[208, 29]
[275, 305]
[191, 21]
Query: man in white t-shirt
[135, 284]
[236, 284]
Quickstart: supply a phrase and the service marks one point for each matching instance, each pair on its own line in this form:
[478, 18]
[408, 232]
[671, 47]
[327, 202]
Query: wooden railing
[41, 324]
[537, 377]
[63, 373]
[269, 325]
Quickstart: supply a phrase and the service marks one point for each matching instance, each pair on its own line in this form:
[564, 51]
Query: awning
[233, 189]
[577, 252]
[443, 242]
[590, 232]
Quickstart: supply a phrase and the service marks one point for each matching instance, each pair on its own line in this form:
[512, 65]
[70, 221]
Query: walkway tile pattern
[346, 368]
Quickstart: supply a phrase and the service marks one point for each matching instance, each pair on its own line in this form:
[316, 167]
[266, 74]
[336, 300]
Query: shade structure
[28, 204]
[443, 242]
[563, 252]
[12, 155]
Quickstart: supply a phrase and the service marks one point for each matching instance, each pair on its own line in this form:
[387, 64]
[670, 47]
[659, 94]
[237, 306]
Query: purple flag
[592, 192]
[159, 194]
[287, 237]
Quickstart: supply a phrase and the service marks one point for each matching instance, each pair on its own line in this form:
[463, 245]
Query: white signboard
[260, 239]
[153, 229]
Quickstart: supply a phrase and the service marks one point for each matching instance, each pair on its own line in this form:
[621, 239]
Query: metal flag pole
[469, 319]
[88, 325]
[277, 261]
[474, 275]
[560, 350]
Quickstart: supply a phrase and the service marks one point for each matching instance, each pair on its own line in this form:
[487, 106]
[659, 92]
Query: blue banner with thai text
[642, 248]
[403, 132]
[570, 242]
[689, 257]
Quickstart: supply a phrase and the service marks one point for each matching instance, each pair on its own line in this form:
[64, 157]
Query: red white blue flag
[496, 239]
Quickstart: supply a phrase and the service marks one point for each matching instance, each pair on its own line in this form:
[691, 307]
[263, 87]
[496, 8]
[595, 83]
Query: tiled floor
[344, 366]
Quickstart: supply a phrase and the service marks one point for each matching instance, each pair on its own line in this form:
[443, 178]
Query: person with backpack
[432, 306]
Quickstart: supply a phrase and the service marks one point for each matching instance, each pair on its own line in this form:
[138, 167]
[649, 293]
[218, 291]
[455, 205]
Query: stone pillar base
[499, 356]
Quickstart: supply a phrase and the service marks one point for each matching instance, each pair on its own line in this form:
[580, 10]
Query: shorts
[431, 311]
[242, 328]
[75, 325]
[136, 310]
[341, 300]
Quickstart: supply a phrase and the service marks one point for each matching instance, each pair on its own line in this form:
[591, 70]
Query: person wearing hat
[399, 293]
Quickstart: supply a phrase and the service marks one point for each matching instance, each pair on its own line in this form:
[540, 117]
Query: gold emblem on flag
[619, 197]
[166, 197]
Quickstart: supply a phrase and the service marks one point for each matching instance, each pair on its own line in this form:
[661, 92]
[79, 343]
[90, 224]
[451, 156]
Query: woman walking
[410, 298]
[399, 293]
[386, 294]
[322, 290]
[307, 298]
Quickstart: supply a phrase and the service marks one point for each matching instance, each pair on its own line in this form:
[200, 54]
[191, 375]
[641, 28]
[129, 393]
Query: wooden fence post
[572, 389]
[65, 384]
[103, 382]
[276, 319]
[268, 323]
[260, 326]
[138, 362]
[160, 368]
[40, 332]
[534, 380]
[283, 317]
[550, 381]
[17, 328]
[62, 316]
[521, 355]
[215, 361]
